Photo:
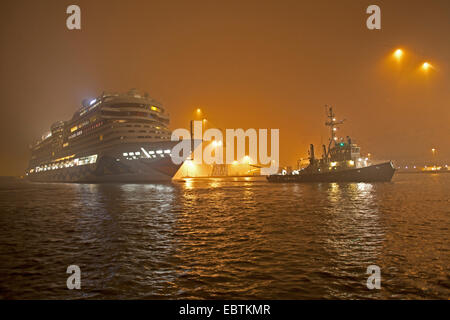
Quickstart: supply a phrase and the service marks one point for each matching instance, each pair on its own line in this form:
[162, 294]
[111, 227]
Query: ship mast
[333, 124]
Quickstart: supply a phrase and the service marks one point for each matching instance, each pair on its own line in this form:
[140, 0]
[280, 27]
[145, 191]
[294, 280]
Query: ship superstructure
[114, 137]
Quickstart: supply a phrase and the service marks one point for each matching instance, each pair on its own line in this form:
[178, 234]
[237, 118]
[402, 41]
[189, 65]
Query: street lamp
[426, 66]
[398, 54]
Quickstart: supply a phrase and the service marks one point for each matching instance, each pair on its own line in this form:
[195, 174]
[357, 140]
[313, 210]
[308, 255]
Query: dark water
[226, 238]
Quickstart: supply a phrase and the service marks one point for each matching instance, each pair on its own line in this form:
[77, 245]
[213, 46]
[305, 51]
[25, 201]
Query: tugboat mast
[333, 124]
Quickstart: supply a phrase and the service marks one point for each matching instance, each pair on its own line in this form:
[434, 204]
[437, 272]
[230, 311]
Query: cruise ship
[116, 137]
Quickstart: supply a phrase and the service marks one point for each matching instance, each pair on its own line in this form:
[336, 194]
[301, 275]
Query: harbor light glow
[426, 66]
[398, 54]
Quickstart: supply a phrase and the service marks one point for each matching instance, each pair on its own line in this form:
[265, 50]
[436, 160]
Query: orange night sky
[246, 64]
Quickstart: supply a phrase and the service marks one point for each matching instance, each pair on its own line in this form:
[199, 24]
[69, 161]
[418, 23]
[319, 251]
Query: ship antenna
[332, 123]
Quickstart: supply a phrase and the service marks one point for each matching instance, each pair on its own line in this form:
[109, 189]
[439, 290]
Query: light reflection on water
[226, 238]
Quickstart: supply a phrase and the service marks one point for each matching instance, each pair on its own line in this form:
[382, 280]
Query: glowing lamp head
[426, 66]
[398, 53]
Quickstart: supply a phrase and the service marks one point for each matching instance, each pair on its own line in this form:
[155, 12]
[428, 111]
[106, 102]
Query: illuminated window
[154, 108]
[73, 129]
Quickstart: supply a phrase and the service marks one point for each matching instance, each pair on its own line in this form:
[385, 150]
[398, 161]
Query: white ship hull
[111, 170]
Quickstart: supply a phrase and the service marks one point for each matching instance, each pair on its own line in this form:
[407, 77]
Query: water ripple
[226, 239]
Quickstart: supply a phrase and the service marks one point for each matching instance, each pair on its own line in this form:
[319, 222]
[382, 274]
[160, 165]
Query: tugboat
[341, 162]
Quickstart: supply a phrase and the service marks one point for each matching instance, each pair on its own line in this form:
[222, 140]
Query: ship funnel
[311, 153]
[324, 149]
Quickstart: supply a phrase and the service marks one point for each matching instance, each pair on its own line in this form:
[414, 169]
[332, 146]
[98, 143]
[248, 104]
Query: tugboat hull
[375, 173]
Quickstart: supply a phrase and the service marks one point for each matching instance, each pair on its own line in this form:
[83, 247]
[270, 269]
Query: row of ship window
[79, 132]
[66, 164]
[146, 154]
[133, 114]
